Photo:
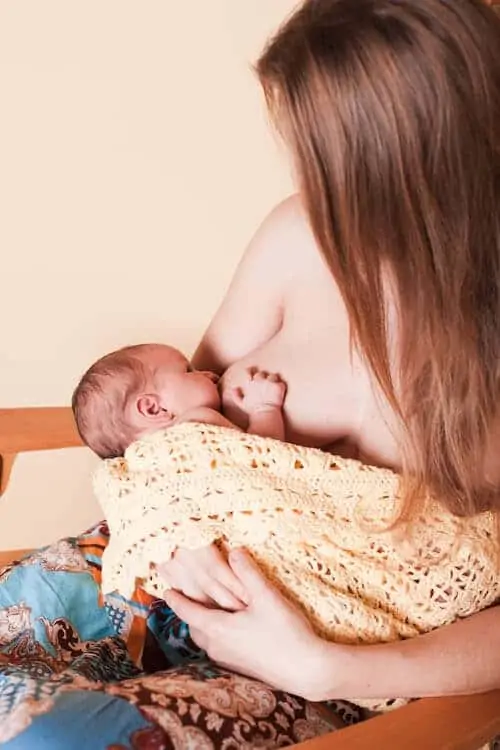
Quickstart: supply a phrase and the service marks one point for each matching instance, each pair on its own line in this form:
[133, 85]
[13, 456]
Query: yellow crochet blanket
[315, 523]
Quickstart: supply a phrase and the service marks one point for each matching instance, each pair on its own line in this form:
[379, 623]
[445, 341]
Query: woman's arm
[252, 310]
[458, 659]
[259, 641]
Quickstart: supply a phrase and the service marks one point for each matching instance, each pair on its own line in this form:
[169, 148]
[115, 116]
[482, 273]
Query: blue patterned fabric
[79, 672]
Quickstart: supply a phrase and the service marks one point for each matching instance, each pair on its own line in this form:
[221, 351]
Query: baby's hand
[262, 391]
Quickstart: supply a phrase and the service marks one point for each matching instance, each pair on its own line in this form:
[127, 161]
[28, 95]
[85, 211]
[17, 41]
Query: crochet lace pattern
[316, 524]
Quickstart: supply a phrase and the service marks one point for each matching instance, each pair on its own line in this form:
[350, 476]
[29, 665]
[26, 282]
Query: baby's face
[179, 387]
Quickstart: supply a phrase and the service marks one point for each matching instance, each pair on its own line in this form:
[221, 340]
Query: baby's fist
[261, 391]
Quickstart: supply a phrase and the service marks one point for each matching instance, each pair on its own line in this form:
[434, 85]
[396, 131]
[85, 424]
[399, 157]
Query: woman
[376, 295]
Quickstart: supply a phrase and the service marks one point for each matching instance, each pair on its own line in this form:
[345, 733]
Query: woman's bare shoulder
[252, 309]
[289, 209]
[288, 224]
[291, 241]
[278, 242]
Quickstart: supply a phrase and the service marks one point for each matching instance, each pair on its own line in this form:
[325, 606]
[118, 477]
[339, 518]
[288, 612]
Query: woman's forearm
[457, 659]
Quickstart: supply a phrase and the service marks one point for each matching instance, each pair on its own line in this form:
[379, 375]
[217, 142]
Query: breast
[313, 395]
[329, 397]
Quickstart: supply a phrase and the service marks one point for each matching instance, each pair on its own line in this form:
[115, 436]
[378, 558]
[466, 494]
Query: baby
[316, 524]
[140, 389]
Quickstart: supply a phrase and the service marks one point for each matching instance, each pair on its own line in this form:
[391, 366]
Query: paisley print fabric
[79, 670]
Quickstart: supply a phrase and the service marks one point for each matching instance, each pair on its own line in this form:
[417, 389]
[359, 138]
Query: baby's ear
[149, 406]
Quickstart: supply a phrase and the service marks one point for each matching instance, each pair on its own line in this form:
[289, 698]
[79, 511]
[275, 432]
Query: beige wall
[135, 163]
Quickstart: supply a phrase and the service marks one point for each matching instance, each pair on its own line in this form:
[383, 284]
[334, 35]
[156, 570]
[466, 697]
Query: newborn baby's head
[137, 390]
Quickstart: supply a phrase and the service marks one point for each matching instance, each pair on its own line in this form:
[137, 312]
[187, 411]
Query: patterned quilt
[83, 672]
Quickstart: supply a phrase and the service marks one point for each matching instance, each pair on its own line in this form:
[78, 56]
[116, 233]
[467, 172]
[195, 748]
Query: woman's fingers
[178, 578]
[204, 575]
[250, 577]
[221, 596]
[197, 616]
[209, 566]
[227, 578]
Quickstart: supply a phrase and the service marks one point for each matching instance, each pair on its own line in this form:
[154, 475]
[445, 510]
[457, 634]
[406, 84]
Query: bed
[456, 723]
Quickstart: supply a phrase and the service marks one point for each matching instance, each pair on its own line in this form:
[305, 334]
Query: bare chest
[330, 396]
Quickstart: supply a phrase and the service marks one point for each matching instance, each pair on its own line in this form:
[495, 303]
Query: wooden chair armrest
[454, 723]
[35, 429]
[8, 556]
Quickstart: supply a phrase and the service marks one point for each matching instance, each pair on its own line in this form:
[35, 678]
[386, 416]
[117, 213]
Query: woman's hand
[271, 641]
[205, 576]
[268, 640]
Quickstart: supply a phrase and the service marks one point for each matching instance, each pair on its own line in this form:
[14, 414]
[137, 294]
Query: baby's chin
[207, 397]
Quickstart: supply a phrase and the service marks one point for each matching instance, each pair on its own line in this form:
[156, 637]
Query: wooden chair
[458, 723]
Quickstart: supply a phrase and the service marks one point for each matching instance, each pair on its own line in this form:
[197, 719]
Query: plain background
[136, 161]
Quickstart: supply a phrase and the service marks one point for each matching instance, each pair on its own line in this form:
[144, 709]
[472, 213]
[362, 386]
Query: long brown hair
[391, 109]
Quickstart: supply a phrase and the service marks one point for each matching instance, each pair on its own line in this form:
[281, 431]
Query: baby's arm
[268, 422]
[262, 399]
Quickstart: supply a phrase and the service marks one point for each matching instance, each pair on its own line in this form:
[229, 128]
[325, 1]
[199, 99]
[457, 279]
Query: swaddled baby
[140, 389]
[316, 524]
